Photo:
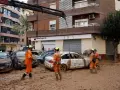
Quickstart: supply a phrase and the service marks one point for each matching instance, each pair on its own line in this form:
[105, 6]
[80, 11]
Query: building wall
[13, 47]
[106, 6]
[117, 5]
[99, 44]
[44, 24]
[65, 24]
[119, 48]
[86, 44]
[38, 45]
[65, 4]
[12, 14]
[59, 43]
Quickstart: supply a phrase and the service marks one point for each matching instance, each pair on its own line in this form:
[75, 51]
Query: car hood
[4, 60]
[39, 57]
[21, 58]
[49, 58]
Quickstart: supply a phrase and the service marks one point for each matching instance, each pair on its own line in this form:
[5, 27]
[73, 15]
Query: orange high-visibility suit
[92, 64]
[56, 64]
[97, 58]
[28, 61]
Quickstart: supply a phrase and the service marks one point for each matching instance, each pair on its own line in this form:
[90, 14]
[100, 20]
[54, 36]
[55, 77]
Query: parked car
[69, 60]
[20, 56]
[5, 62]
[41, 57]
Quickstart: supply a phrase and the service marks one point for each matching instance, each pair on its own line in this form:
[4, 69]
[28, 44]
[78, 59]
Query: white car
[69, 60]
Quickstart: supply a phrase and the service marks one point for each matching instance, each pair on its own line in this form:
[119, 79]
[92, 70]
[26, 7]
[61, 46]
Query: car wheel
[63, 67]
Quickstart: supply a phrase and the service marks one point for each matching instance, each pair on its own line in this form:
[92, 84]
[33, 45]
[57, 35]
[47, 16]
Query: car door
[74, 61]
[65, 58]
[77, 61]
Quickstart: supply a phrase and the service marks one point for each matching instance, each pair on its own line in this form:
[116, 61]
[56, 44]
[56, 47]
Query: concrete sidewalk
[110, 62]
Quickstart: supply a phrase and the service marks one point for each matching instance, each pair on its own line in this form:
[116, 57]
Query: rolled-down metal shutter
[72, 45]
[48, 45]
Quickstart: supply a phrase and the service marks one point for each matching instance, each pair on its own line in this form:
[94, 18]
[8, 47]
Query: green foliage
[110, 30]
[23, 26]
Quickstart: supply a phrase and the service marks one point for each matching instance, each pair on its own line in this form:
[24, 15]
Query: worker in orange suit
[92, 61]
[97, 57]
[56, 64]
[28, 62]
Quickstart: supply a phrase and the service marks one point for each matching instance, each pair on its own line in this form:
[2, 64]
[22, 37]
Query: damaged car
[69, 60]
[5, 62]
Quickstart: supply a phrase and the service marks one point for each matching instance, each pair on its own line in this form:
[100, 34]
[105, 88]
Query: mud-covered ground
[108, 78]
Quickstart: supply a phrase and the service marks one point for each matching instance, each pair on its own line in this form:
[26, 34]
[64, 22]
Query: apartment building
[25, 13]
[9, 39]
[84, 18]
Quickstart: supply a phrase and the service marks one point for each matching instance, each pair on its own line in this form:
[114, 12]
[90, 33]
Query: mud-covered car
[20, 56]
[41, 57]
[69, 60]
[5, 62]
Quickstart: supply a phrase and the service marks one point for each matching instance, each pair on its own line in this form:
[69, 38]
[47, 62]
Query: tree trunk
[115, 44]
[26, 38]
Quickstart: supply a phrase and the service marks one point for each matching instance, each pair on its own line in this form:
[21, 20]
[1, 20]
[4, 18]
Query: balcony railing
[62, 32]
[4, 42]
[9, 35]
[81, 5]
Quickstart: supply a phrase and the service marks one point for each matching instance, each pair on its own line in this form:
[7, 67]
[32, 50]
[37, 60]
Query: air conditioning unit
[92, 16]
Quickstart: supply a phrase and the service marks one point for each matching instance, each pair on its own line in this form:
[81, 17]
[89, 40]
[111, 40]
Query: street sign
[3, 1]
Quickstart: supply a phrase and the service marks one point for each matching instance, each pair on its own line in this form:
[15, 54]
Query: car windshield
[35, 53]
[3, 55]
[20, 54]
[46, 54]
[43, 53]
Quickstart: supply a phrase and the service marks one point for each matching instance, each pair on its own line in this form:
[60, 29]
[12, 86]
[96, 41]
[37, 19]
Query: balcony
[32, 18]
[84, 10]
[12, 43]
[62, 32]
[8, 40]
[83, 7]
[9, 35]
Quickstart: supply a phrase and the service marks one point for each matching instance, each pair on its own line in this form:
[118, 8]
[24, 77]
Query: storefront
[72, 45]
[48, 45]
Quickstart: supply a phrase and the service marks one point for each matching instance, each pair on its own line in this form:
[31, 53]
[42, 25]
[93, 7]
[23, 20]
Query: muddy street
[108, 78]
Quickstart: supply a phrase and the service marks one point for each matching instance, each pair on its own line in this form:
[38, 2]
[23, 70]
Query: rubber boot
[23, 77]
[30, 75]
[91, 70]
[98, 67]
[96, 70]
[60, 76]
[56, 75]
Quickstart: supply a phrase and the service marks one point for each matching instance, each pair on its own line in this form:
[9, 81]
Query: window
[52, 25]
[81, 23]
[66, 56]
[5, 12]
[76, 55]
[53, 5]
[22, 40]
[1, 9]
[80, 4]
[9, 13]
[7, 21]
